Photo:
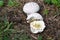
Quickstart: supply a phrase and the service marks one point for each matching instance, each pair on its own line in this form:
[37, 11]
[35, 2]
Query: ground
[18, 17]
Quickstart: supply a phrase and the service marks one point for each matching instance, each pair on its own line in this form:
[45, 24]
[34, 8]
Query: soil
[18, 17]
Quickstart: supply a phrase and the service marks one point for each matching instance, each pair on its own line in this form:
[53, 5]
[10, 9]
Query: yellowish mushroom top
[36, 24]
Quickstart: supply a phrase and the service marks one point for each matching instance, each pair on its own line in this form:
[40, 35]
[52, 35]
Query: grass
[4, 27]
[1, 3]
[39, 37]
[22, 36]
[46, 11]
[54, 2]
[12, 3]
[6, 30]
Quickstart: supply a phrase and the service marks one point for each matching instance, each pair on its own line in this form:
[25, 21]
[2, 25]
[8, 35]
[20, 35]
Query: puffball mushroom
[31, 7]
[34, 17]
[37, 26]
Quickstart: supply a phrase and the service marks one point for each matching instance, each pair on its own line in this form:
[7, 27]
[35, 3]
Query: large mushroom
[31, 7]
[37, 26]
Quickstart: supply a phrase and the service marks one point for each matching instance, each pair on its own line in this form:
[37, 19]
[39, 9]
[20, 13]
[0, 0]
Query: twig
[33, 36]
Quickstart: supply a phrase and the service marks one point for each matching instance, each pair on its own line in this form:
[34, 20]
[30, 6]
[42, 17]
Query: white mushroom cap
[31, 7]
[34, 16]
[37, 26]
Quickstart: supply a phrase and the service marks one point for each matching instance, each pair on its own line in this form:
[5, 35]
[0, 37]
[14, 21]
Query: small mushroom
[37, 26]
[31, 7]
[34, 17]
